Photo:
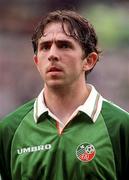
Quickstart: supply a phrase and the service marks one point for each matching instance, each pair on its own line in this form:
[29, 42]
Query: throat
[64, 105]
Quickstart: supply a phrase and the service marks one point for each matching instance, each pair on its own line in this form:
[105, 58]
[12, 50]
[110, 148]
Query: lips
[54, 69]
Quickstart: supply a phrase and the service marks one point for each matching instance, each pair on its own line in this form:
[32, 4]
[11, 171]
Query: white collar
[92, 106]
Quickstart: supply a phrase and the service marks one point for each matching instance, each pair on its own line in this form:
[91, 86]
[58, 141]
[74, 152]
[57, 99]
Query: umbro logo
[33, 149]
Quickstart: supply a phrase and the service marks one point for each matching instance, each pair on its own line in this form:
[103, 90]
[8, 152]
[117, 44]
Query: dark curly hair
[79, 28]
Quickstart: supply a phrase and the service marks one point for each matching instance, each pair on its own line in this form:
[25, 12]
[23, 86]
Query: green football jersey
[84, 150]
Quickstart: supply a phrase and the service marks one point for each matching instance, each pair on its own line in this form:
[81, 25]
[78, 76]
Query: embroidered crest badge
[85, 152]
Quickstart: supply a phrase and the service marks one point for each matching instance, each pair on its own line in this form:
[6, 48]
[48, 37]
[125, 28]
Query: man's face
[59, 57]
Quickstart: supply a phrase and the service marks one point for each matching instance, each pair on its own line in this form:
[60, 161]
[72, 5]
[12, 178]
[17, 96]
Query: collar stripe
[95, 106]
[36, 105]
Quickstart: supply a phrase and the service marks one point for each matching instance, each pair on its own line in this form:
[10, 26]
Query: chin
[55, 85]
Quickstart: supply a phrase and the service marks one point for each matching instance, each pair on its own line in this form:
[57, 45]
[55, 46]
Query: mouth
[54, 69]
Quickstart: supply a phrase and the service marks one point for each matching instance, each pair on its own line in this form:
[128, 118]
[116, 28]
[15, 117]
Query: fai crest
[85, 152]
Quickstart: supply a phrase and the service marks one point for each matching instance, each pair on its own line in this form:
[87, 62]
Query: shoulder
[117, 122]
[116, 119]
[12, 120]
[114, 113]
[8, 127]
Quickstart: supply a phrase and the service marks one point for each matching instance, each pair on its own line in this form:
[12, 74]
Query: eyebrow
[63, 41]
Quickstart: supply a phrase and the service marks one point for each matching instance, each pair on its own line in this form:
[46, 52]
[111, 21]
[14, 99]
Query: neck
[63, 102]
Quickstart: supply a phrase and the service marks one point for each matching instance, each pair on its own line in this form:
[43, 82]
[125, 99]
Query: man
[69, 132]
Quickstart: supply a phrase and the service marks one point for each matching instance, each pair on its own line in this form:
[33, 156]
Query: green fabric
[35, 151]
[117, 122]
[8, 126]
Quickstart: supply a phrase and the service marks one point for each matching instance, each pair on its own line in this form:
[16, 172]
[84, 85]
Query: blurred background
[19, 79]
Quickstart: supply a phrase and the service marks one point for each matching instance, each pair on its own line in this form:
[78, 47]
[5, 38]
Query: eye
[45, 46]
[64, 45]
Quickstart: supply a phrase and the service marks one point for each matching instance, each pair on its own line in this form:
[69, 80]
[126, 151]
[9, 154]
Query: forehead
[55, 30]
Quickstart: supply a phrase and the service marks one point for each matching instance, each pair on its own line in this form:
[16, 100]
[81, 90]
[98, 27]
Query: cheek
[41, 67]
[41, 71]
[41, 63]
[74, 66]
[41, 56]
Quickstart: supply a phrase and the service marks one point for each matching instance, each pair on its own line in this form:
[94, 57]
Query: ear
[35, 58]
[90, 61]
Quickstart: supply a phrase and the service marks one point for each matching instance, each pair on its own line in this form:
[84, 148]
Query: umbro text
[34, 149]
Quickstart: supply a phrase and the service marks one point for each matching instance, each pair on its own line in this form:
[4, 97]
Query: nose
[53, 53]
